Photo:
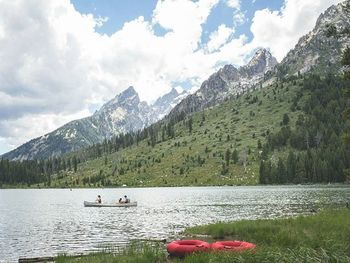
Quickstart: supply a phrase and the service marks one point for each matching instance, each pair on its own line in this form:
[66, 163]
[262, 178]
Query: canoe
[94, 204]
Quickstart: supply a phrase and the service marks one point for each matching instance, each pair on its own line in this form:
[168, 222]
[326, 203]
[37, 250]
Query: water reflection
[47, 222]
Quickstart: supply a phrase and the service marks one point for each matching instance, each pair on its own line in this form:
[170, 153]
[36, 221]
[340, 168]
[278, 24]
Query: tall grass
[286, 256]
[136, 252]
[323, 237]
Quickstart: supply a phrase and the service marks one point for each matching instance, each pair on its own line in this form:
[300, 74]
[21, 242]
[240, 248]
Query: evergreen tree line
[317, 150]
[34, 171]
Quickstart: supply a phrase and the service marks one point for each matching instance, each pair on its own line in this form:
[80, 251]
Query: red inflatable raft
[234, 246]
[181, 248]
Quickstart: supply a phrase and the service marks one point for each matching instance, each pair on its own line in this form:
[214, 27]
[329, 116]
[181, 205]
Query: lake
[46, 222]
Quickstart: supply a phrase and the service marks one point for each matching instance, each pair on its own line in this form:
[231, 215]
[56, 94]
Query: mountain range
[319, 50]
[124, 113]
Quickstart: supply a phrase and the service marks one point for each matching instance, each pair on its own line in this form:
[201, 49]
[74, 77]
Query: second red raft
[181, 248]
[234, 246]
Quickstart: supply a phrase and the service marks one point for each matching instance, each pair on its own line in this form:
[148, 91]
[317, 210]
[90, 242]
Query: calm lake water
[47, 222]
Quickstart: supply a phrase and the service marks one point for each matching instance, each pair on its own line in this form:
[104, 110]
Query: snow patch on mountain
[118, 114]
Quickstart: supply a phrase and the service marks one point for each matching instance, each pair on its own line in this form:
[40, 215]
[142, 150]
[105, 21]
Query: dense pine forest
[316, 149]
[319, 146]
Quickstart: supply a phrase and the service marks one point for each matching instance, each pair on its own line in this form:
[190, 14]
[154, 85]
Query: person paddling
[99, 200]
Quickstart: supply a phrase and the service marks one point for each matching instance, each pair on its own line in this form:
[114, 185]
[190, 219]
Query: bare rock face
[228, 81]
[167, 102]
[261, 63]
[320, 50]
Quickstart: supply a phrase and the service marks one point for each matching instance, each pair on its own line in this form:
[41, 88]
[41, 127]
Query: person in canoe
[126, 199]
[120, 201]
[99, 200]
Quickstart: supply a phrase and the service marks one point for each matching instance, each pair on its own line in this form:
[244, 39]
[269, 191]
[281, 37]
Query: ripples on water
[47, 222]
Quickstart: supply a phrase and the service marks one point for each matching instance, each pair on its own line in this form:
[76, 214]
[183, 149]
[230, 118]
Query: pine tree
[262, 173]
[285, 119]
[75, 164]
[346, 62]
[227, 157]
[235, 156]
[281, 172]
[291, 167]
[190, 125]
[259, 144]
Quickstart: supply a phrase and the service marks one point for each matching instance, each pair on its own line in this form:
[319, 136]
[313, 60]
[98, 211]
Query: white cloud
[184, 18]
[236, 4]
[219, 37]
[101, 20]
[238, 18]
[281, 30]
[31, 125]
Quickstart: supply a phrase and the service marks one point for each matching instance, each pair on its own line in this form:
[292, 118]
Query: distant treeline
[316, 152]
[34, 171]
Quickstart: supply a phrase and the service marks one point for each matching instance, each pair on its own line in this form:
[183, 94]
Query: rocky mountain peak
[228, 72]
[129, 98]
[163, 105]
[330, 14]
[261, 62]
[320, 50]
[124, 113]
[228, 81]
[129, 93]
[169, 96]
[173, 92]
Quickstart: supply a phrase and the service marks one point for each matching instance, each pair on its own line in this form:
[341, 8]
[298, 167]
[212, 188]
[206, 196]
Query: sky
[60, 60]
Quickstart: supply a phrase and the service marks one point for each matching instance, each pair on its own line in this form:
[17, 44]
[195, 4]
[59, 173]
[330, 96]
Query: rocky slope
[122, 114]
[321, 49]
[228, 81]
[166, 103]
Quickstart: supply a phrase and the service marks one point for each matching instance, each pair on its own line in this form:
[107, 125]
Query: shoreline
[169, 186]
[322, 236]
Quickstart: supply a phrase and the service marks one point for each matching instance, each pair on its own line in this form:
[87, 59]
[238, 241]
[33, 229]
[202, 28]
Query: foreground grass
[136, 252]
[324, 237]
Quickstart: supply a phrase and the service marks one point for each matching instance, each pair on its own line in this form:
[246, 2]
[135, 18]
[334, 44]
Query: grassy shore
[323, 237]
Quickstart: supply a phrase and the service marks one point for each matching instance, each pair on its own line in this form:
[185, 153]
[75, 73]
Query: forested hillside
[316, 150]
[289, 132]
[221, 145]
